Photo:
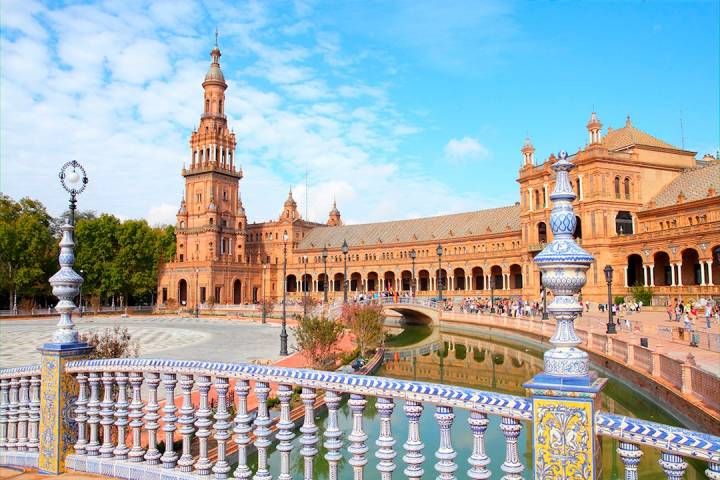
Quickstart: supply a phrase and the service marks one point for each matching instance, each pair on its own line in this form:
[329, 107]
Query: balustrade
[111, 408]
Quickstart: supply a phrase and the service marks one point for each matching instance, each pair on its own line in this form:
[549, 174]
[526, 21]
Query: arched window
[542, 232]
[617, 187]
[624, 223]
[207, 105]
[626, 186]
[537, 199]
[212, 221]
[220, 107]
[182, 224]
[577, 187]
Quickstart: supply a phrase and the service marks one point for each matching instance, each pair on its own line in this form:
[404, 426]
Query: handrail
[19, 371]
[466, 398]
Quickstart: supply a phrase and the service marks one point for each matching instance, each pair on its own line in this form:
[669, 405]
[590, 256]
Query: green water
[486, 362]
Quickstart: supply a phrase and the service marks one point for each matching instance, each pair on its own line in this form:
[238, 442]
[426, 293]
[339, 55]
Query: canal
[492, 361]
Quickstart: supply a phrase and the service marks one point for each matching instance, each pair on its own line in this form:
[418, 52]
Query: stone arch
[690, 267]
[715, 264]
[577, 234]
[388, 281]
[634, 270]
[459, 279]
[496, 276]
[516, 278]
[306, 283]
[662, 273]
[423, 280]
[182, 291]
[441, 278]
[322, 282]
[237, 292]
[355, 281]
[291, 284]
[372, 281]
[405, 280]
[478, 278]
[338, 280]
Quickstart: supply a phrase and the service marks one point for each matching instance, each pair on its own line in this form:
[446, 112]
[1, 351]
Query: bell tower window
[207, 106]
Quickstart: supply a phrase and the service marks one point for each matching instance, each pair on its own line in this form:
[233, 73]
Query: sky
[396, 109]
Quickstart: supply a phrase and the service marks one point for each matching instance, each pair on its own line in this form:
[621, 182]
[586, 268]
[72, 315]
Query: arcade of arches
[644, 206]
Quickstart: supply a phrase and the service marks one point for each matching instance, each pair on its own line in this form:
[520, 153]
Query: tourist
[670, 312]
[708, 312]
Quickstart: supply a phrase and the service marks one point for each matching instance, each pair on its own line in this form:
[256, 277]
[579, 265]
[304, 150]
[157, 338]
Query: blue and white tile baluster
[203, 423]
[332, 434]
[478, 459]
[413, 447]
[309, 439]
[23, 410]
[222, 428]
[81, 413]
[673, 465]
[66, 285]
[713, 470]
[34, 417]
[169, 457]
[630, 455]
[357, 438]
[107, 413]
[187, 423]
[136, 418]
[121, 416]
[242, 428]
[385, 442]
[13, 414]
[93, 409]
[152, 456]
[511, 466]
[4, 412]
[285, 433]
[262, 431]
[445, 466]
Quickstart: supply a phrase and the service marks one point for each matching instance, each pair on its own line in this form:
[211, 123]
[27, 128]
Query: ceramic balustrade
[118, 421]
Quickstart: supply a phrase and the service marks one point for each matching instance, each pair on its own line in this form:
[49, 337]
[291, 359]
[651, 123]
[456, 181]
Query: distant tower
[528, 152]
[290, 211]
[594, 126]
[207, 215]
[334, 219]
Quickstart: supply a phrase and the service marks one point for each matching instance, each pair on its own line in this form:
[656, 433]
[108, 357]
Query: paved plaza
[210, 339]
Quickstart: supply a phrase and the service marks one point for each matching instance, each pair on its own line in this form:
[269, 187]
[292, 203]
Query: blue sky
[397, 109]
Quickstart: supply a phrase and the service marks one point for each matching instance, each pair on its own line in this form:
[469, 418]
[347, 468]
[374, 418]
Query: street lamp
[492, 293]
[197, 293]
[283, 330]
[325, 277]
[304, 285]
[345, 250]
[439, 251]
[608, 278]
[74, 180]
[264, 303]
[413, 255]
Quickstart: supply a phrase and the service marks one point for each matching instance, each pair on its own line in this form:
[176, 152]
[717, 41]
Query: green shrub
[317, 338]
[619, 300]
[642, 294]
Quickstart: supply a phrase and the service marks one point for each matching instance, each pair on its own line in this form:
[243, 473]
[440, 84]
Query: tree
[366, 323]
[317, 338]
[642, 294]
[27, 248]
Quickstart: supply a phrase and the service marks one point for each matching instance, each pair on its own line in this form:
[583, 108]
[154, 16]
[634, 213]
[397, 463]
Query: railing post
[565, 395]
[58, 388]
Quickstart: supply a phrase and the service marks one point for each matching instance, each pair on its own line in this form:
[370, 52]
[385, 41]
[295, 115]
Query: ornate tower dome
[334, 219]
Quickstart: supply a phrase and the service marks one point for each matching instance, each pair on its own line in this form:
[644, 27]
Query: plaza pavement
[204, 338]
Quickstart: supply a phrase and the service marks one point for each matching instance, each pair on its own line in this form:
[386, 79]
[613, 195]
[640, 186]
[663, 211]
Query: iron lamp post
[325, 277]
[544, 295]
[197, 293]
[264, 303]
[492, 293]
[74, 180]
[413, 254]
[304, 285]
[80, 286]
[345, 250]
[283, 330]
[439, 251]
[608, 278]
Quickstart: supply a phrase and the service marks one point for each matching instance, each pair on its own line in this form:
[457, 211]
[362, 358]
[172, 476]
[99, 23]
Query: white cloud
[465, 149]
[162, 215]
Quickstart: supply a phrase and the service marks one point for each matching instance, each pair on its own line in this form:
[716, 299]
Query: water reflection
[485, 362]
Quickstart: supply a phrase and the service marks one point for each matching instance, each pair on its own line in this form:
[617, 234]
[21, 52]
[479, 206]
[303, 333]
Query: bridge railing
[123, 431]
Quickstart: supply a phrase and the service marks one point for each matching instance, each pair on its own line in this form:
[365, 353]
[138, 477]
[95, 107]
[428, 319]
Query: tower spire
[216, 37]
